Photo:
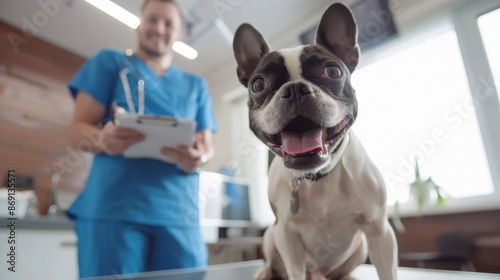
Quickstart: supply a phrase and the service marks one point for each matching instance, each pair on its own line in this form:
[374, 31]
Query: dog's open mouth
[303, 138]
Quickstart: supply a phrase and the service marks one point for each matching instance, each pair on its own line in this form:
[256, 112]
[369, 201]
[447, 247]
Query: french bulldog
[328, 197]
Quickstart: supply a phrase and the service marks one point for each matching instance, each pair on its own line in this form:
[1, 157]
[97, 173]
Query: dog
[329, 198]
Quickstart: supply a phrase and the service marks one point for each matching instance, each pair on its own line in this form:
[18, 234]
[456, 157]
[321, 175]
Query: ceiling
[78, 27]
[82, 29]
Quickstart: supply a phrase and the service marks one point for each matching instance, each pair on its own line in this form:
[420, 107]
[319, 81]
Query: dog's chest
[322, 207]
[326, 215]
[324, 204]
[338, 201]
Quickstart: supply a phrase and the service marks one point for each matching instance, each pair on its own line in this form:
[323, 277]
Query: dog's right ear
[337, 32]
[249, 47]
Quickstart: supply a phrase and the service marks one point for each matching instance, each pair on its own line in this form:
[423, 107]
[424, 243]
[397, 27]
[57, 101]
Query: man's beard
[150, 52]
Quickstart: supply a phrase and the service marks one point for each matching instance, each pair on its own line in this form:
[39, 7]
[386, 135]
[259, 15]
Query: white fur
[292, 62]
[340, 217]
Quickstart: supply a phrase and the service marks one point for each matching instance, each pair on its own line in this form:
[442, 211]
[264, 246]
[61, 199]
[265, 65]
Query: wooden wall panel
[422, 232]
[35, 113]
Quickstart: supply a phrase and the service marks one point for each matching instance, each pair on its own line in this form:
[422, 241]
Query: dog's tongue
[298, 143]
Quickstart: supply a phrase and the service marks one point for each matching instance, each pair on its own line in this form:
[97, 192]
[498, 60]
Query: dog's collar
[314, 176]
[338, 153]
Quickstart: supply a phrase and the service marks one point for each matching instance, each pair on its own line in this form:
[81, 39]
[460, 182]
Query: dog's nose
[296, 90]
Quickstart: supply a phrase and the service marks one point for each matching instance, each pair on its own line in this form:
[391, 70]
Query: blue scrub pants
[108, 247]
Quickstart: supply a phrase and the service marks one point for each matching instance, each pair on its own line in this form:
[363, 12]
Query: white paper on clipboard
[159, 131]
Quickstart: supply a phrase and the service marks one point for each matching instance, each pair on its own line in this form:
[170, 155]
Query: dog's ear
[249, 47]
[338, 33]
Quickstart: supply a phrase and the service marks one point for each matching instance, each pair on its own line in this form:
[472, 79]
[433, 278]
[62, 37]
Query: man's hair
[173, 2]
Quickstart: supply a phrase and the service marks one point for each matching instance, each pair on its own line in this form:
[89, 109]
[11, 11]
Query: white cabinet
[40, 255]
[236, 249]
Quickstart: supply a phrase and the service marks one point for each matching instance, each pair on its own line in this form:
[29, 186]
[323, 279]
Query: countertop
[60, 221]
[41, 222]
[246, 270]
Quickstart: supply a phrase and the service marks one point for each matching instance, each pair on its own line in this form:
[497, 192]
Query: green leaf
[417, 171]
[420, 190]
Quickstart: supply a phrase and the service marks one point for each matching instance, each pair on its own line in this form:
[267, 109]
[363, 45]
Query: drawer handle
[68, 244]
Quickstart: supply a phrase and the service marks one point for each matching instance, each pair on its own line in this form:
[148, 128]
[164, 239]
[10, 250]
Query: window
[416, 106]
[424, 97]
[488, 26]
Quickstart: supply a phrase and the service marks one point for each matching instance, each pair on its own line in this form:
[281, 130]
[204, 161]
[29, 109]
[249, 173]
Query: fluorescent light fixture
[117, 12]
[184, 50]
[225, 32]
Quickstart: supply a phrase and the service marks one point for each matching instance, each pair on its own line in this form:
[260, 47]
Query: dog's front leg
[292, 252]
[383, 249]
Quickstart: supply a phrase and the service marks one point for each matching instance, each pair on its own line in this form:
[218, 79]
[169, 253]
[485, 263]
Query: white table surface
[246, 270]
[368, 272]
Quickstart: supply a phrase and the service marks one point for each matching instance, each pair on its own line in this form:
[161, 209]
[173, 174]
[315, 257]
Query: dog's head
[301, 100]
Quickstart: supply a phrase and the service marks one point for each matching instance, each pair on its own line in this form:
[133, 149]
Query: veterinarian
[137, 215]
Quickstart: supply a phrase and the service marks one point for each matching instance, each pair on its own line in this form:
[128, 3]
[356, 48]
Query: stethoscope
[124, 71]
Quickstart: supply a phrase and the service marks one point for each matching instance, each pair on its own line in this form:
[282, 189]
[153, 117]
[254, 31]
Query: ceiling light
[184, 50]
[225, 32]
[117, 12]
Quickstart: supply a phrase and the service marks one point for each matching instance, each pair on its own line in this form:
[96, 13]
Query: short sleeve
[205, 116]
[97, 77]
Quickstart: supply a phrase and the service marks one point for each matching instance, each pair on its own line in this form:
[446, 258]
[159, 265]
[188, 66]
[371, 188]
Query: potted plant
[421, 191]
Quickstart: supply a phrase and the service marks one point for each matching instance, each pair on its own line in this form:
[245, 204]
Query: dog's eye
[332, 72]
[258, 85]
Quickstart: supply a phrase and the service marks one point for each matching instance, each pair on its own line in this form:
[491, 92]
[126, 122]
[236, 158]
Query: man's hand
[110, 139]
[115, 140]
[190, 158]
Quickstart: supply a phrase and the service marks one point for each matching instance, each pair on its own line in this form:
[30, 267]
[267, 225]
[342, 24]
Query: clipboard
[160, 131]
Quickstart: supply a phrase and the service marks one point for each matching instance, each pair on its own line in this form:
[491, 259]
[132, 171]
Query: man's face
[160, 27]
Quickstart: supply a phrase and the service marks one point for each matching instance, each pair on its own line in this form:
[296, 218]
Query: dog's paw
[264, 273]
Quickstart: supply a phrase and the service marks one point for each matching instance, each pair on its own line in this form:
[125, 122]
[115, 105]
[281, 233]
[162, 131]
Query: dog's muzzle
[303, 144]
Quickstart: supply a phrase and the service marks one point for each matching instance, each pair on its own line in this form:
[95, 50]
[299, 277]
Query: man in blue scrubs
[138, 215]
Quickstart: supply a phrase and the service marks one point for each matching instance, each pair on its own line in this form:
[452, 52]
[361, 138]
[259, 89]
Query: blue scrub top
[142, 190]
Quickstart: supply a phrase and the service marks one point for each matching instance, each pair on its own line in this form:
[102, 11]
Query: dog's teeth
[324, 149]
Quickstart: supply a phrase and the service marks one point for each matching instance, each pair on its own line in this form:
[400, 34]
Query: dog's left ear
[338, 33]
[249, 47]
